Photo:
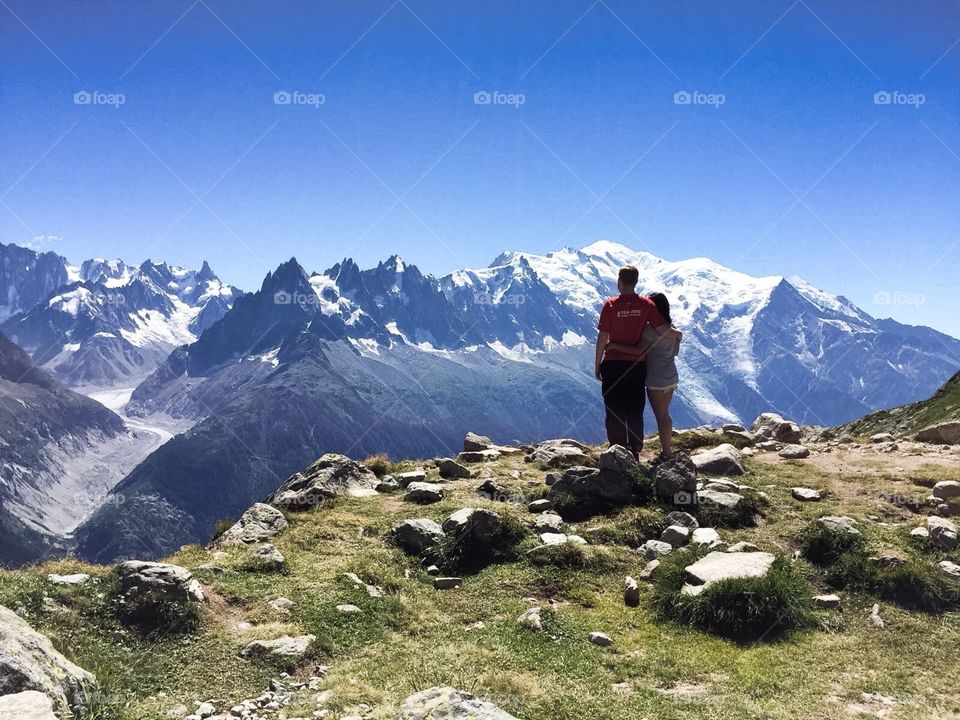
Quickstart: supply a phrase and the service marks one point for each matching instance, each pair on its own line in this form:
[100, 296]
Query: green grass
[823, 546]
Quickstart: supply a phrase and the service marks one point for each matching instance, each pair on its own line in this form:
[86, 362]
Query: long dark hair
[663, 305]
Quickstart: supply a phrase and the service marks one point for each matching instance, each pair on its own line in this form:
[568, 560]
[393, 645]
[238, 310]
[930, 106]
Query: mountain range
[389, 359]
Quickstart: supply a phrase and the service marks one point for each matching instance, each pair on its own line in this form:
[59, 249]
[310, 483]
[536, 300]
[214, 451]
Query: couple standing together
[636, 347]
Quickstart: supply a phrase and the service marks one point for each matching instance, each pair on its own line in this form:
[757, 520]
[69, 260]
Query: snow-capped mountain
[105, 323]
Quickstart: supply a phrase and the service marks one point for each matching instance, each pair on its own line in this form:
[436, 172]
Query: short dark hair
[629, 275]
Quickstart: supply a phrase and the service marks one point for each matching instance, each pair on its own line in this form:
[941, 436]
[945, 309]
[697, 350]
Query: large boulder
[945, 433]
[560, 454]
[258, 524]
[154, 582]
[26, 705]
[587, 491]
[447, 703]
[676, 479]
[773, 427]
[328, 477]
[946, 490]
[473, 442]
[724, 460]
[717, 566]
[417, 535]
[28, 661]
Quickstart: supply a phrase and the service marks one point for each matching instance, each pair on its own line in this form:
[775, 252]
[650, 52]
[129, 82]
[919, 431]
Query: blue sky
[783, 163]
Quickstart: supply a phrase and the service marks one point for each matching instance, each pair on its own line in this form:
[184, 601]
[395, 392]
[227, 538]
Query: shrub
[823, 546]
[158, 619]
[481, 542]
[220, 527]
[913, 584]
[644, 487]
[378, 464]
[742, 609]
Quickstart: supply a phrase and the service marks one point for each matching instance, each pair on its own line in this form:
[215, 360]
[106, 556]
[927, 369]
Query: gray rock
[722, 484]
[28, 661]
[348, 609]
[548, 522]
[883, 437]
[560, 454]
[473, 442]
[157, 582]
[946, 489]
[676, 479]
[805, 493]
[452, 469]
[412, 476]
[742, 547]
[417, 535]
[722, 460]
[794, 452]
[551, 478]
[457, 520]
[943, 532]
[424, 493]
[920, 532]
[26, 705]
[827, 602]
[652, 549]
[282, 605]
[678, 517]
[599, 638]
[839, 524]
[717, 566]
[258, 524]
[648, 569]
[631, 592]
[704, 536]
[715, 497]
[75, 579]
[594, 490]
[387, 484]
[676, 535]
[540, 506]
[490, 490]
[618, 459]
[773, 427]
[282, 648]
[267, 557]
[478, 456]
[550, 538]
[447, 703]
[371, 590]
[769, 445]
[447, 583]
[945, 433]
[951, 568]
[329, 476]
[531, 619]
[732, 427]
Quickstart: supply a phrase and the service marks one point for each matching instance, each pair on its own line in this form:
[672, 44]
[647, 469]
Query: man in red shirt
[623, 376]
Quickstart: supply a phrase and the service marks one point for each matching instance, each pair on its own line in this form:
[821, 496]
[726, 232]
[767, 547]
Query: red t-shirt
[624, 317]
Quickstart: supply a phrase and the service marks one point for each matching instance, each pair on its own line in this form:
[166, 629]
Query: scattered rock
[722, 460]
[282, 648]
[951, 568]
[594, 491]
[773, 427]
[678, 517]
[75, 579]
[551, 478]
[282, 605]
[560, 454]
[457, 520]
[26, 705]
[417, 535]
[769, 445]
[716, 497]
[648, 569]
[538, 506]
[617, 458]
[424, 493]
[28, 661]
[473, 442]
[447, 583]
[371, 590]
[881, 438]
[945, 433]
[478, 456]
[676, 479]
[827, 602]
[548, 538]
[875, 618]
[599, 638]
[943, 532]
[548, 523]
[418, 475]
[531, 619]
[348, 609]
[490, 490]
[447, 703]
[732, 427]
[805, 493]
[652, 549]
[267, 557]
[676, 535]
[704, 536]
[722, 484]
[329, 476]
[839, 524]
[920, 532]
[742, 547]
[452, 469]
[794, 452]
[387, 484]
[719, 566]
[157, 582]
[258, 524]
[946, 489]
[631, 592]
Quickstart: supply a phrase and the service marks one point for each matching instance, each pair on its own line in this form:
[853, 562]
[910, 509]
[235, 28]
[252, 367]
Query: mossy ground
[416, 637]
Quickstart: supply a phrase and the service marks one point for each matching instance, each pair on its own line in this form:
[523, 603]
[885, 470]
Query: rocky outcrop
[28, 661]
[560, 454]
[27, 705]
[258, 524]
[329, 476]
[447, 703]
[945, 433]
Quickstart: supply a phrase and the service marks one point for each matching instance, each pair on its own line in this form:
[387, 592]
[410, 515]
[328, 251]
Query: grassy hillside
[908, 419]
[417, 637]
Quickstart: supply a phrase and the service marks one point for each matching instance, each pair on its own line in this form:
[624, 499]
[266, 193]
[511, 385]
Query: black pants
[624, 397]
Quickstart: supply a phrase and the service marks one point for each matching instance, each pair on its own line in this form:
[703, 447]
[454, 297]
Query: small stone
[282, 605]
[676, 535]
[205, 710]
[531, 619]
[943, 532]
[548, 523]
[433, 570]
[631, 592]
[75, 579]
[419, 475]
[839, 524]
[678, 517]
[649, 568]
[424, 493]
[794, 452]
[875, 618]
[951, 568]
[457, 520]
[450, 468]
[538, 506]
[881, 438]
[447, 583]
[652, 549]
[742, 547]
[387, 484]
[551, 478]
[348, 609]
[805, 493]
[267, 557]
[827, 602]
[920, 532]
[947, 489]
[704, 536]
[599, 638]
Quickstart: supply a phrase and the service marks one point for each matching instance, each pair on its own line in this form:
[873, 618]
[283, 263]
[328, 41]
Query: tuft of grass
[644, 487]
[378, 464]
[742, 609]
[823, 546]
[913, 584]
[220, 527]
[632, 527]
[751, 506]
[571, 556]
[475, 547]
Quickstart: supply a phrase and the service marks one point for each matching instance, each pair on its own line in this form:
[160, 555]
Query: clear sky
[783, 161]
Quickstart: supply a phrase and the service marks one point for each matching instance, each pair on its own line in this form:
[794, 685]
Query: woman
[662, 377]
